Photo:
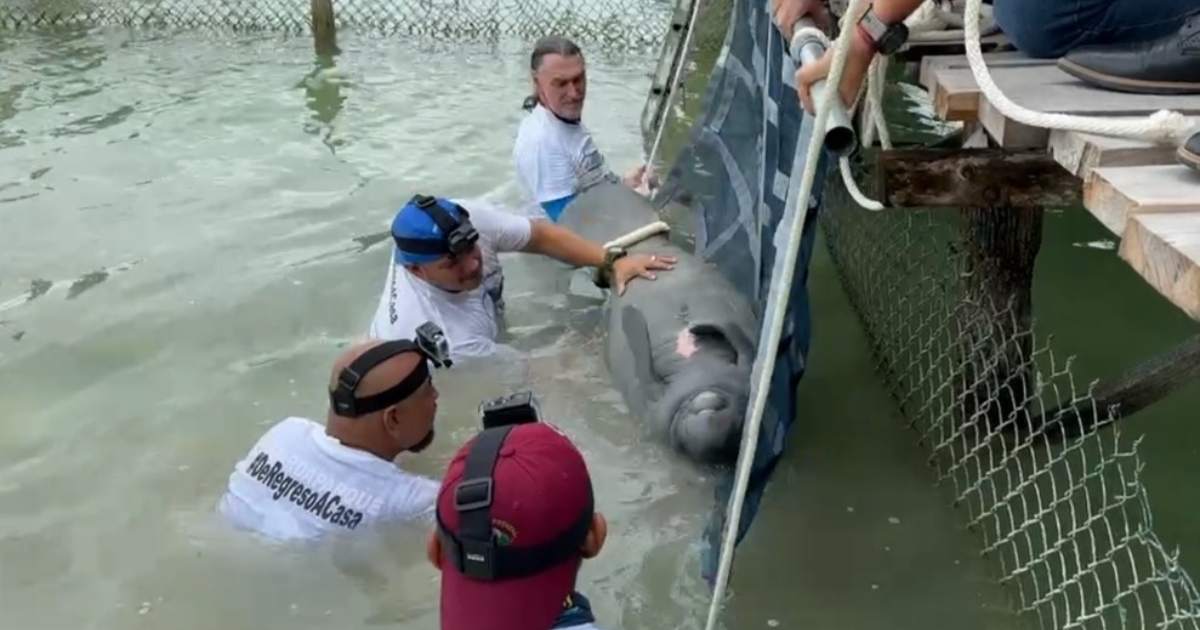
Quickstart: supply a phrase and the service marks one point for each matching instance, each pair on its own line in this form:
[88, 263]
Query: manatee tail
[703, 409]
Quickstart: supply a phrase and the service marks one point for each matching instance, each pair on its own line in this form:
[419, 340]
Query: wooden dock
[1137, 190]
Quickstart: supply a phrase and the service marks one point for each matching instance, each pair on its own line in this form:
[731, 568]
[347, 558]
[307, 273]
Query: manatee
[680, 348]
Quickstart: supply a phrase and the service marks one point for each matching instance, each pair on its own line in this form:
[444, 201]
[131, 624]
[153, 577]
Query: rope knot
[1171, 127]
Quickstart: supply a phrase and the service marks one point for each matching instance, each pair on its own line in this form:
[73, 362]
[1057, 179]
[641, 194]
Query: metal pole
[807, 47]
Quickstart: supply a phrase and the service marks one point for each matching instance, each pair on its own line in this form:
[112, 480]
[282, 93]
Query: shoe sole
[1187, 158]
[1123, 84]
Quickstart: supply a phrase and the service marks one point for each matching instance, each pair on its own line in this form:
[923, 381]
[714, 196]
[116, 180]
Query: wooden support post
[1136, 389]
[324, 28]
[1001, 244]
[974, 178]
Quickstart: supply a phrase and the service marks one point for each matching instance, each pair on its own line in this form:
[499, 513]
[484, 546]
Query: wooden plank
[1006, 58]
[974, 178]
[1043, 87]
[1165, 250]
[919, 50]
[1115, 194]
[1079, 153]
[1008, 133]
[1037, 85]
[952, 87]
[1049, 89]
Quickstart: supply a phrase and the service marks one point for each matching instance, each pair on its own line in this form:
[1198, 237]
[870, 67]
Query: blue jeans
[1051, 28]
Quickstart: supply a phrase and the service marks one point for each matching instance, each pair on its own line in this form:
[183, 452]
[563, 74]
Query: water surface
[193, 226]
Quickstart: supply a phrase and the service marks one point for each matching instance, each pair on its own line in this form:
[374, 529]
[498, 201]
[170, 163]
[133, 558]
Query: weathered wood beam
[324, 28]
[1138, 388]
[918, 50]
[1001, 245]
[974, 178]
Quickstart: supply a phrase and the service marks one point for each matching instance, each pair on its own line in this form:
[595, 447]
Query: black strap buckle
[349, 379]
[472, 494]
[478, 559]
[424, 201]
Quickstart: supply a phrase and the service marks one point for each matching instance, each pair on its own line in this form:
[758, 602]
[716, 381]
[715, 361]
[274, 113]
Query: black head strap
[342, 399]
[458, 235]
[474, 551]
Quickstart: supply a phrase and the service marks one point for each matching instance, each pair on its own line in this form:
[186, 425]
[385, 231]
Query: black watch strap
[887, 38]
[602, 277]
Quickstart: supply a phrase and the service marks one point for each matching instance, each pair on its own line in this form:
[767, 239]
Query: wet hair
[548, 45]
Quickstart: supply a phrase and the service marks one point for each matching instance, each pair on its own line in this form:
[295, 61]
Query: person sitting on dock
[301, 480]
[554, 154]
[1147, 45]
[445, 268]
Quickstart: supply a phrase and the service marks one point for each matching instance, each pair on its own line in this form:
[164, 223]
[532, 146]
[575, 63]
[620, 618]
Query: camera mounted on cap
[430, 344]
[460, 234]
[518, 408]
[474, 550]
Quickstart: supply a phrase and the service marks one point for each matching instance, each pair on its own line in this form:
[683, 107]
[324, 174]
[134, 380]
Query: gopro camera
[432, 342]
[460, 234]
[517, 408]
[461, 239]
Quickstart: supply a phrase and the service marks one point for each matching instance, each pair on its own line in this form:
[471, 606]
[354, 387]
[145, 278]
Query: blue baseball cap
[419, 239]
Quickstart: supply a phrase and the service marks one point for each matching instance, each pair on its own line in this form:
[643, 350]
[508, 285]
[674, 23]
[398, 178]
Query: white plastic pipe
[772, 326]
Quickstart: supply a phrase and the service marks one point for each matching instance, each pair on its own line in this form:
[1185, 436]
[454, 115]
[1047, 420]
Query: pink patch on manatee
[685, 343]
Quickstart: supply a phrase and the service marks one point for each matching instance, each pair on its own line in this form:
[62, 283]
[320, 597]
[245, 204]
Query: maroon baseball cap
[541, 509]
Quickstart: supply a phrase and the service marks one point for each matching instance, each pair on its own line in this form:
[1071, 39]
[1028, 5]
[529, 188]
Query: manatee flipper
[637, 340]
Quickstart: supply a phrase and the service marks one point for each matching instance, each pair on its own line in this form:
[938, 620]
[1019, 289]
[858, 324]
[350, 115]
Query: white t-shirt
[299, 483]
[468, 318]
[555, 159]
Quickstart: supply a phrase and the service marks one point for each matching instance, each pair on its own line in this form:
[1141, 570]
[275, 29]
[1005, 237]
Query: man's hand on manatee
[641, 179]
[633, 266]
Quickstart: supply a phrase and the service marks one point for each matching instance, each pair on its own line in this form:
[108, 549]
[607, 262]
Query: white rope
[876, 76]
[781, 283]
[638, 235]
[852, 187]
[1165, 127]
[672, 87]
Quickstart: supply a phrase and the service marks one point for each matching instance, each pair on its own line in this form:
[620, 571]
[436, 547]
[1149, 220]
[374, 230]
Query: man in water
[302, 480]
[541, 519]
[445, 269]
[554, 154]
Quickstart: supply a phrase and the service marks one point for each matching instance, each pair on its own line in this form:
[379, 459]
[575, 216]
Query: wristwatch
[603, 274]
[886, 38]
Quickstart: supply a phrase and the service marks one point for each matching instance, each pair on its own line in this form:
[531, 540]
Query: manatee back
[606, 211]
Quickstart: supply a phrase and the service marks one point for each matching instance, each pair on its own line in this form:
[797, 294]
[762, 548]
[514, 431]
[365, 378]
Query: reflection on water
[323, 96]
[177, 278]
[184, 275]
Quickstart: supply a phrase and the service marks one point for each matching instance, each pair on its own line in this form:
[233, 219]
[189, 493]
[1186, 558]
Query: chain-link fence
[1066, 518]
[637, 23]
[1043, 476]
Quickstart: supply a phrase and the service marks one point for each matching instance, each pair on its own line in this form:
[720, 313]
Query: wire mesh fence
[616, 22]
[1059, 505]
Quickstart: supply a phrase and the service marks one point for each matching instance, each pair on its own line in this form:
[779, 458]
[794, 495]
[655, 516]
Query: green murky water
[192, 226]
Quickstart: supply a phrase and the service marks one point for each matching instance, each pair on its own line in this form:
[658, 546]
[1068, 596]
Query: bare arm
[788, 12]
[893, 11]
[560, 243]
[859, 59]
